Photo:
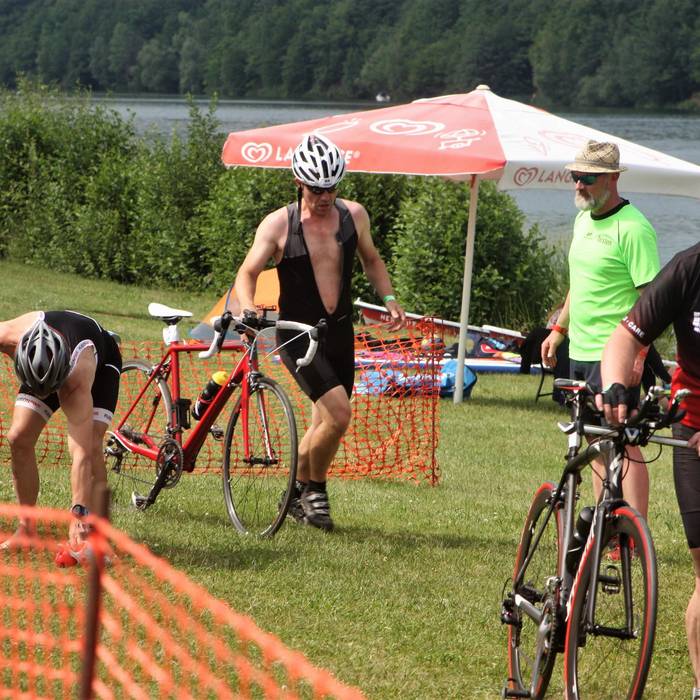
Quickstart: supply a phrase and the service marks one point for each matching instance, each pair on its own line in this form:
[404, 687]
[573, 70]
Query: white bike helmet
[42, 359]
[318, 162]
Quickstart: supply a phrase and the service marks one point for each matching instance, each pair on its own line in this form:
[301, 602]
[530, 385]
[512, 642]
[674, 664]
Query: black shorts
[105, 388]
[334, 362]
[686, 476]
[589, 372]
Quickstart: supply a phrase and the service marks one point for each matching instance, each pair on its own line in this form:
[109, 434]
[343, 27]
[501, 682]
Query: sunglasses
[586, 178]
[321, 190]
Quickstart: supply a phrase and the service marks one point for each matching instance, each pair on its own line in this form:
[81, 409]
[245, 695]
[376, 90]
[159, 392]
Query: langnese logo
[525, 176]
[405, 127]
[256, 152]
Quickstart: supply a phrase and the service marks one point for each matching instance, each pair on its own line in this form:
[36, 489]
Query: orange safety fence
[130, 625]
[395, 428]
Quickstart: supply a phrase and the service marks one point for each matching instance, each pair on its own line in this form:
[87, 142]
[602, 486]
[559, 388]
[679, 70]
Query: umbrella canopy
[472, 136]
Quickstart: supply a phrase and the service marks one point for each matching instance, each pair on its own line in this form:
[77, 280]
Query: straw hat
[597, 158]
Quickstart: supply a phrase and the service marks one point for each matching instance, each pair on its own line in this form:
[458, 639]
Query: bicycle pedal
[216, 432]
[514, 693]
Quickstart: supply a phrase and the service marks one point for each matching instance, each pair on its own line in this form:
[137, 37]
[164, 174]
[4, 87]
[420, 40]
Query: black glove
[615, 395]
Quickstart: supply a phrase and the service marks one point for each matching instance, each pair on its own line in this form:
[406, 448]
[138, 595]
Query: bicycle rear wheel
[148, 422]
[611, 659]
[531, 605]
[260, 459]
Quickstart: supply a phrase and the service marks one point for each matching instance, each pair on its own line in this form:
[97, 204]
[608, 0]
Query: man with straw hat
[613, 255]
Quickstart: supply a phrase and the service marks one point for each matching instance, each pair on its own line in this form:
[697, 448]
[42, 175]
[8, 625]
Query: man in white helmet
[313, 242]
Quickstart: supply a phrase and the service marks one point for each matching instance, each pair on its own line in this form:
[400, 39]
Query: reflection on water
[676, 219]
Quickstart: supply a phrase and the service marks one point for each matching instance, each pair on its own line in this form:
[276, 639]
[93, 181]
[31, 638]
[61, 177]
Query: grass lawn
[403, 600]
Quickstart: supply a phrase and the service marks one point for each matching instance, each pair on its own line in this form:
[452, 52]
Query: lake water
[676, 219]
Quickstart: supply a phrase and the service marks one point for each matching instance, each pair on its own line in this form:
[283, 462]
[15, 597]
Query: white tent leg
[466, 289]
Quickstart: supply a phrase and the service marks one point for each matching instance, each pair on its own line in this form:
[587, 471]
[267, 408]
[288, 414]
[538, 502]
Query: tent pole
[466, 289]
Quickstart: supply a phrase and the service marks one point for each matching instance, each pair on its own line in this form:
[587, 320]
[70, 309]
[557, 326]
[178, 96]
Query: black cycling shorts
[686, 476]
[105, 388]
[334, 362]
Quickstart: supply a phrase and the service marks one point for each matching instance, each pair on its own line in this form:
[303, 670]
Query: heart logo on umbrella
[256, 152]
[405, 127]
[524, 176]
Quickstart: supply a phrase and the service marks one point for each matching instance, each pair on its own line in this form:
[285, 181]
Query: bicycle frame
[168, 369]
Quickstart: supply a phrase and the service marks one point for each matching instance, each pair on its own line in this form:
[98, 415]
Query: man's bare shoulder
[274, 224]
[359, 214]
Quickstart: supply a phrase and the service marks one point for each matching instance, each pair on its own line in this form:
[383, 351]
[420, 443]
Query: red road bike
[156, 439]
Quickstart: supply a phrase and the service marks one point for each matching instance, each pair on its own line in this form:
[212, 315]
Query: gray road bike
[584, 582]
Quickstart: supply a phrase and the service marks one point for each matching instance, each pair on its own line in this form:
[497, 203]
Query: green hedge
[80, 191]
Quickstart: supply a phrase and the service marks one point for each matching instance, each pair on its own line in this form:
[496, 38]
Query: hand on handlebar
[613, 403]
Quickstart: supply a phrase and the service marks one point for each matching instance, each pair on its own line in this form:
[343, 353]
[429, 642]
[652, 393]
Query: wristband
[559, 329]
[388, 297]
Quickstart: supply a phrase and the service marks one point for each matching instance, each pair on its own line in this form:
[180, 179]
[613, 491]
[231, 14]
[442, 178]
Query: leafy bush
[513, 278]
[79, 192]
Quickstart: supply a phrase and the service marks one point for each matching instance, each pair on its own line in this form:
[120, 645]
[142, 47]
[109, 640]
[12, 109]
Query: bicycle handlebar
[247, 323]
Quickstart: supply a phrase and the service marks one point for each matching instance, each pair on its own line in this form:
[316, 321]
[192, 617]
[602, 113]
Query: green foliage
[513, 278]
[624, 52]
[79, 192]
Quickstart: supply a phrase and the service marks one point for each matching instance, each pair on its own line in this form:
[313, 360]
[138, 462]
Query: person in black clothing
[66, 359]
[313, 243]
[672, 298]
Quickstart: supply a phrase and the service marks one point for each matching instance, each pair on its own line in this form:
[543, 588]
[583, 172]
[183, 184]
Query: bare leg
[635, 484]
[692, 619]
[330, 419]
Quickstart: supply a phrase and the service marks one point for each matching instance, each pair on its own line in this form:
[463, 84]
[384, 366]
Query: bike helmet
[42, 359]
[318, 162]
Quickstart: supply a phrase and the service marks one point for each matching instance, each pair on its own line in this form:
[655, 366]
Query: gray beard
[590, 204]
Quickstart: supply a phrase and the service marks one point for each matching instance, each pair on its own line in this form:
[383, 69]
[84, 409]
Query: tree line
[622, 53]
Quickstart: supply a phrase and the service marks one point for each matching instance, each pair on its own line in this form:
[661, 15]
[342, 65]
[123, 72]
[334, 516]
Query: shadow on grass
[410, 541]
[543, 405]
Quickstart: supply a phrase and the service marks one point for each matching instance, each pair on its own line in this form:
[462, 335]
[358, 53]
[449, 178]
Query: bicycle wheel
[259, 470]
[531, 603]
[611, 659]
[128, 473]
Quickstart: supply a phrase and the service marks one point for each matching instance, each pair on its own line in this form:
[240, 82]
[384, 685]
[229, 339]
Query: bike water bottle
[578, 540]
[218, 379]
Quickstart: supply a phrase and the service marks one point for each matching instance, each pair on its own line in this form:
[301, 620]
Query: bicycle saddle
[166, 313]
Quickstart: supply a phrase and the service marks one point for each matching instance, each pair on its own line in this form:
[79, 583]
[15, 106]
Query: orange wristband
[559, 329]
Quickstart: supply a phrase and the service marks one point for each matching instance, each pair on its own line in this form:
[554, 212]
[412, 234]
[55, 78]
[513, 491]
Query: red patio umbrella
[464, 137]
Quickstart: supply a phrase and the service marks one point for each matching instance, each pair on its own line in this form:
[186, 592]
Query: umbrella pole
[466, 290]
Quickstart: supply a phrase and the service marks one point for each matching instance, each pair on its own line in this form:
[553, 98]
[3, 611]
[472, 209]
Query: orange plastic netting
[395, 428]
[134, 628]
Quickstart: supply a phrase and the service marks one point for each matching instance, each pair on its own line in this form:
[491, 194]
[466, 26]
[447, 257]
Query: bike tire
[128, 473]
[258, 476]
[603, 665]
[527, 673]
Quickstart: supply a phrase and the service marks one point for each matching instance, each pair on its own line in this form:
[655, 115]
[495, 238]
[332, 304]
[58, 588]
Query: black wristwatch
[79, 511]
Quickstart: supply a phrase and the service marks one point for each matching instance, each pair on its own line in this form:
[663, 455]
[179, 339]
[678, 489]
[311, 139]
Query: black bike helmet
[42, 359]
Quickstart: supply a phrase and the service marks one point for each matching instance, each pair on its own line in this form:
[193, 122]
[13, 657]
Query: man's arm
[550, 344]
[374, 266]
[76, 401]
[616, 367]
[265, 246]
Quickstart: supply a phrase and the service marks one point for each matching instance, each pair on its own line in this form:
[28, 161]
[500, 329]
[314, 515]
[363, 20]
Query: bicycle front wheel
[531, 605]
[260, 459]
[148, 422]
[610, 658]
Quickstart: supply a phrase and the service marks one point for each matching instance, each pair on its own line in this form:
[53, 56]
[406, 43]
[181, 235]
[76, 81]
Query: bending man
[65, 359]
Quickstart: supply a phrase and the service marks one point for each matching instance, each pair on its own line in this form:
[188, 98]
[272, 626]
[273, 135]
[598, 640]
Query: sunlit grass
[403, 600]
